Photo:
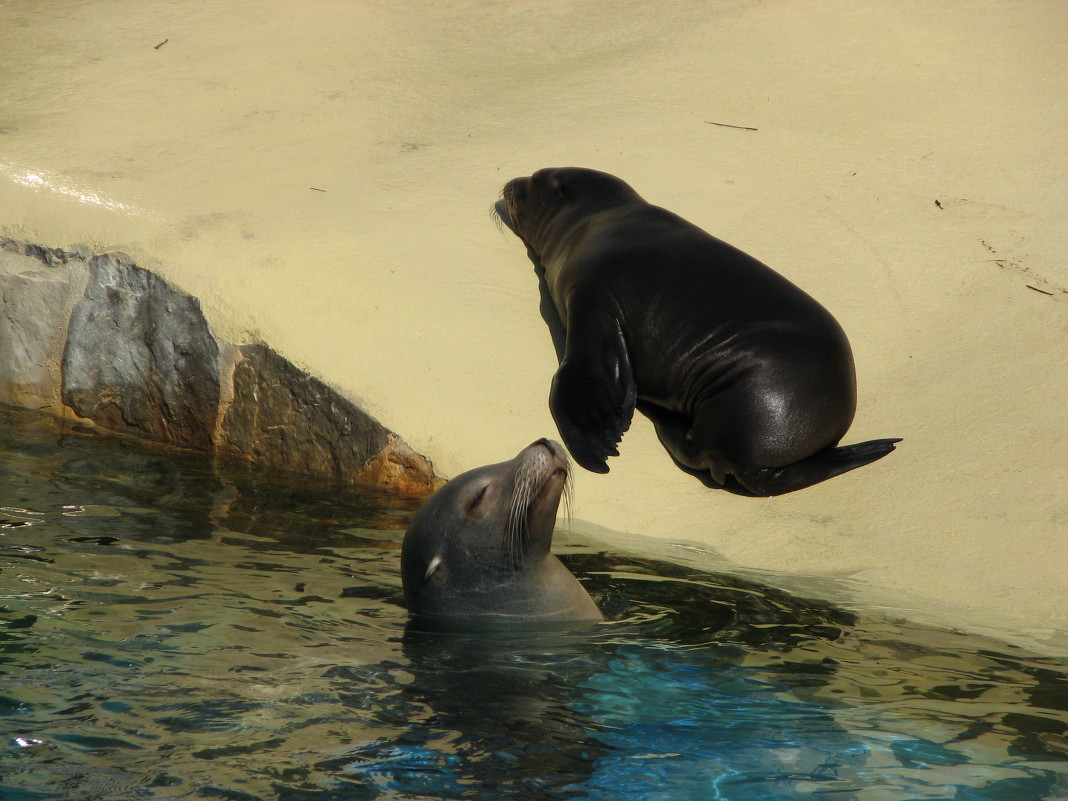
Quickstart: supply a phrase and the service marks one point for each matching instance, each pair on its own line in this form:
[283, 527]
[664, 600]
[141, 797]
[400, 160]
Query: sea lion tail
[816, 468]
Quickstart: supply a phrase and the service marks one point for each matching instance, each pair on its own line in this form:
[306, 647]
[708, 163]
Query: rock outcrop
[140, 357]
[38, 289]
[99, 338]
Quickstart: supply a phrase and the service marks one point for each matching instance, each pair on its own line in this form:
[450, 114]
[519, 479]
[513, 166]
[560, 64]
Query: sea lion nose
[547, 444]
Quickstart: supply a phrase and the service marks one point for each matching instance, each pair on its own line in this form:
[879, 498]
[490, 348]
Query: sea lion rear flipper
[592, 398]
[812, 470]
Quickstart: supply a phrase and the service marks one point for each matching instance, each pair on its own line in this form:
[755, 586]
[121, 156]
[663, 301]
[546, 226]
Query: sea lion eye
[557, 186]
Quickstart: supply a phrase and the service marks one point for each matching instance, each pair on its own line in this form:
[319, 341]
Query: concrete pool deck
[321, 181]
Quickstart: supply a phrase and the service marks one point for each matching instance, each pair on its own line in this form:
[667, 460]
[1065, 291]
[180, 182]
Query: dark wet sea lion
[749, 382]
[477, 552]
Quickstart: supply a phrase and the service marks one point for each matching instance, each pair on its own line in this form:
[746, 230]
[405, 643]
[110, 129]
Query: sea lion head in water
[748, 380]
[477, 552]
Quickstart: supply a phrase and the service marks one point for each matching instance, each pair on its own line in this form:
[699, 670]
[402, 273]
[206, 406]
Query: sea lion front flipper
[593, 393]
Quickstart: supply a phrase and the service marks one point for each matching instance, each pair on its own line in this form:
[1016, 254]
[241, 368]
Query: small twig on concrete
[727, 125]
[1044, 292]
[157, 47]
[316, 189]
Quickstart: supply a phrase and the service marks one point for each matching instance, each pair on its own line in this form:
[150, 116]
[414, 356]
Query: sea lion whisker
[498, 220]
[513, 531]
[518, 518]
[513, 535]
[568, 497]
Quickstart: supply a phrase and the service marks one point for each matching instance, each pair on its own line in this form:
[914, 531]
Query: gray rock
[36, 288]
[140, 357]
[284, 417]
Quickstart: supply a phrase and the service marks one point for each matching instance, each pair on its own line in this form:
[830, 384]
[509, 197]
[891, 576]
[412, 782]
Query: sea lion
[477, 552]
[748, 381]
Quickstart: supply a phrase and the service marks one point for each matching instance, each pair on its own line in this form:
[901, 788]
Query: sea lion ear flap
[593, 407]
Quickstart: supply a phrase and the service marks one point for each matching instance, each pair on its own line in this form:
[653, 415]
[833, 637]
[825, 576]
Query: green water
[174, 628]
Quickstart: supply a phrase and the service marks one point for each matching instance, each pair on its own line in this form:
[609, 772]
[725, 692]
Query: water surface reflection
[173, 628]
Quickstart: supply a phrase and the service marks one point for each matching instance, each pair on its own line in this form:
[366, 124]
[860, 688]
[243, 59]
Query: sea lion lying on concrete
[749, 382]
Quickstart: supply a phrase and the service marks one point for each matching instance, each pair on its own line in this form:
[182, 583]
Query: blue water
[176, 628]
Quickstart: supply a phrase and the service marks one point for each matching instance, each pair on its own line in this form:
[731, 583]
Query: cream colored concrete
[198, 159]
